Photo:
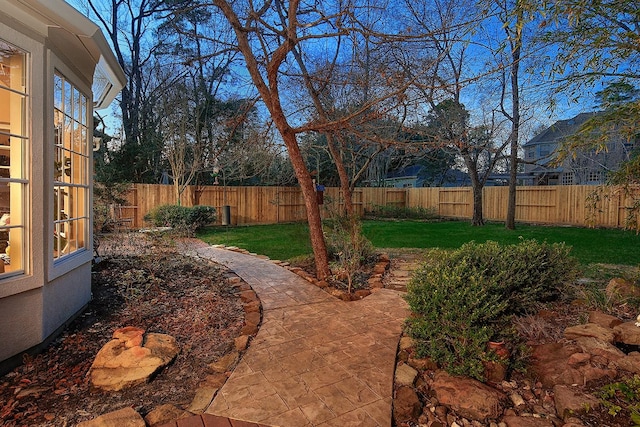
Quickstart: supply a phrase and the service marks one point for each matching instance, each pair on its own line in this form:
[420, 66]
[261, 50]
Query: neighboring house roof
[406, 172]
[560, 129]
[79, 39]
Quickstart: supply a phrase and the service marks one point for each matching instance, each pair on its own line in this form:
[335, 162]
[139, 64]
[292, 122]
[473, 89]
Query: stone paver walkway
[316, 360]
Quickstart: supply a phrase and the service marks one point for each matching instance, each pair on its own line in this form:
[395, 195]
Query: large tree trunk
[270, 94]
[320, 253]
[516, 44]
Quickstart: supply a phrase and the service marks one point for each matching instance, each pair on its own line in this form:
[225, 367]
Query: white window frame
[63, 265]
[19, 186]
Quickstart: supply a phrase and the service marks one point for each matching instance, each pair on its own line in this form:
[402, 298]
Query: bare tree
[278, 40]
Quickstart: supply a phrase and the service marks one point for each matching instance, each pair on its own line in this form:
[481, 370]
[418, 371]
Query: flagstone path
[316, 360]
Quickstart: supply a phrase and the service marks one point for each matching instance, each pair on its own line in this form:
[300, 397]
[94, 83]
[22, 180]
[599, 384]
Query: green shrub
[182, 219]
[462, 299]
[401, 212]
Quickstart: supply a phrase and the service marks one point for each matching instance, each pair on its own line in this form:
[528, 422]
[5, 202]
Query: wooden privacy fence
[568, 205]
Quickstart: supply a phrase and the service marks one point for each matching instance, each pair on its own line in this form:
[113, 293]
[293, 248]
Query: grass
[286, 241]
[278, 241]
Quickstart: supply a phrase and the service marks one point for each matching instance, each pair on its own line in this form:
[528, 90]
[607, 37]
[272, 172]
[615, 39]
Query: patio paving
[316, 360]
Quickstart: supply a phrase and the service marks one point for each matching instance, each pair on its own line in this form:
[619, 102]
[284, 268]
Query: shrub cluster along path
[316, 360]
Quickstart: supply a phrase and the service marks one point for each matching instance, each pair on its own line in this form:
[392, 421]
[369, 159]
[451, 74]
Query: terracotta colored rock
[515, 421]
[361, 293]
[468, 397]
[422, 364]
[126, 417]
[406, 343]
[216, 380]
[570, 401]
[622, 288]
[322, 284]
[252, 318]
[406, 405]
[384, 257]
[595, 347]
[249, 329]
[225, 363]
[203, 398]
[405, 375]
[628, 333]
[375, 283]
[604, 320]
[130, 335]
[550, 364]
[593, 373]
[630, 363]
[589, 330]
[241, 342]
[252, 307]
[165, 413]
[578, 359]
[248, 296]
[117, 366]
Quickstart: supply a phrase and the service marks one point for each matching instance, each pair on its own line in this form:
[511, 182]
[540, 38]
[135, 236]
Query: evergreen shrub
[463, 299]
[183, 220]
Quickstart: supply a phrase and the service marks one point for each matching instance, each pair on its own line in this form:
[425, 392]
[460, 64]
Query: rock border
[220, 369]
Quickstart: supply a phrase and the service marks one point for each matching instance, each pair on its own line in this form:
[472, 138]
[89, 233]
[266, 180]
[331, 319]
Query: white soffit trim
[41, 14]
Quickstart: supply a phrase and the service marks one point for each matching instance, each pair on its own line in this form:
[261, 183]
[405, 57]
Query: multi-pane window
[594, 176]
[71, 168]
[567, 178]
[14, 144]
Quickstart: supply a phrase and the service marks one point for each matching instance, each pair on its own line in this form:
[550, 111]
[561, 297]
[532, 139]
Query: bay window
[71, 168]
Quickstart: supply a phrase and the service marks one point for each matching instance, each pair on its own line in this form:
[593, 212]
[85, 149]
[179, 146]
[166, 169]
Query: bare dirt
[140, 282]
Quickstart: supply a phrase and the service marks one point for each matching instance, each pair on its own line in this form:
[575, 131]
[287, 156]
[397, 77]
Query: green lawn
[285, 241]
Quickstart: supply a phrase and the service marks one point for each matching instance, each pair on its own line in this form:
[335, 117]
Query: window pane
[13, 152]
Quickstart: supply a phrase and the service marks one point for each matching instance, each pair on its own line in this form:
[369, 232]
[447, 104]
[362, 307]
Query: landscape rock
[550, 362]
[468, 397]
[165, 413]
[241, 342]
[120, 363]
[619, 287]
[405, 375]
[406, 343]
[203, 398]
[515, 421]
[406, 405]
[604, 320]
[596, 347]
[225, 363]
[630, 363]
[570, 401]
[589, 330]
[361, 293]
[126, 417]
[248, 296]
[627, 333]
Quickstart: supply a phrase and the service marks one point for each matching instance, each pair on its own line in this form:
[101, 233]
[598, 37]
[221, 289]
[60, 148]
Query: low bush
[401, 212]
[347, 245]
[183, 220]
[462, 299]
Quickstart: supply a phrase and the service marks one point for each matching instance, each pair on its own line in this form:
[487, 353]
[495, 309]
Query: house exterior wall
[38, 302]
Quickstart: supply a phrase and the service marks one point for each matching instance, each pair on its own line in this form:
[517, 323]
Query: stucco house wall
[53, 282]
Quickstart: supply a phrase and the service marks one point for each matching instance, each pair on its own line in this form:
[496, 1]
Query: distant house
[416, 176]
[56, 67]
[583, 168]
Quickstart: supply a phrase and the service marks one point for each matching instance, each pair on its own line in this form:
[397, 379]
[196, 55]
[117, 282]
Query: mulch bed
[155, 289]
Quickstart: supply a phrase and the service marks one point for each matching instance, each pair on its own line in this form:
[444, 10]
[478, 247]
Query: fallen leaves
[166, 293]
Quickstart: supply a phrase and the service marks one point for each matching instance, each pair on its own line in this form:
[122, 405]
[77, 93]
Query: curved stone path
[316, 360]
